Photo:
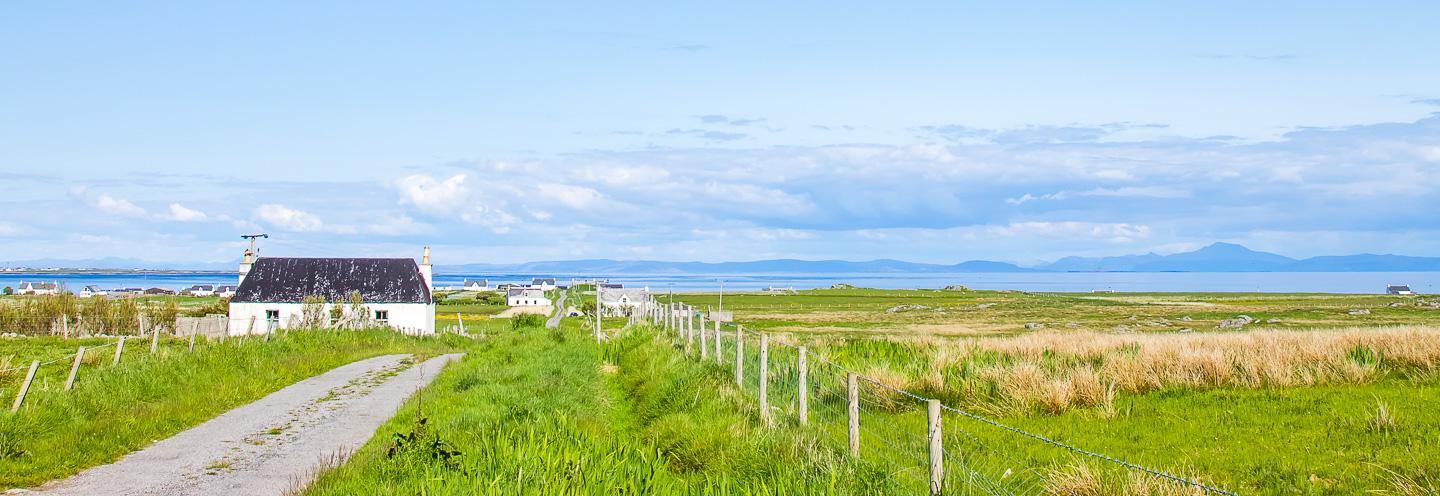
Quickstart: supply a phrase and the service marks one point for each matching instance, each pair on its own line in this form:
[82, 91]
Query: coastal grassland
[114, 410]
[542, 411]
[988, 313]
[1318, 402]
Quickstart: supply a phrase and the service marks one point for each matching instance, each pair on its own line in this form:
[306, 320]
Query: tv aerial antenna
[252, 238]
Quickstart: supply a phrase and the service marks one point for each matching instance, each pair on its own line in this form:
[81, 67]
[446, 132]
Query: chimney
[426, 271]
[245, 263]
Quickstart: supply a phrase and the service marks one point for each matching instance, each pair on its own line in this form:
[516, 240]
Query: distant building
[611, 285]
[543, 283]
[226, 291]
[90, 291]
[200, 290]
[779, 290]
[1398, 289]
[480, 285]
[158, 292]
[38, 288]
[395, 292]
[621, 301]
[526, 297]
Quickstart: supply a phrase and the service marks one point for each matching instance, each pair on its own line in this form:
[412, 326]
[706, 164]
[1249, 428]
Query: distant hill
[1229, 257]
[782, 266]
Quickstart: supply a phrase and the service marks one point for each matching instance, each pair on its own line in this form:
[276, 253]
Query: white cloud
[180, 213]
[288, 218]
[110, 205]
[576, 197]
[1113, 232]
[433, 196]
[1125, 192]
[398, 225]
[8, 229]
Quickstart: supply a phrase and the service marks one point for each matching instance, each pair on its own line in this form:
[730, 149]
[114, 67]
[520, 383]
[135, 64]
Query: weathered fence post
[689, 328]
[852, 387]
[65, 325]
[802, 392]
[119, 348]
[704, 343]
[718, 359]
[25, 386]
[75, 368]
[739, 357]
[937, 455]
[764, 377]
[154, 340]
[191, 348]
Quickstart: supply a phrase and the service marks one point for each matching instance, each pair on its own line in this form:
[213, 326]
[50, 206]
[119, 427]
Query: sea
[1240, 282]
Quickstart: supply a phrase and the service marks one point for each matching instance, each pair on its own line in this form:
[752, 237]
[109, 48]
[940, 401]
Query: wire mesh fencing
[918, 442]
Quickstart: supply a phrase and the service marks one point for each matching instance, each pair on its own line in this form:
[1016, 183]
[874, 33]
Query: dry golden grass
[1082, 480]
[1054, 370]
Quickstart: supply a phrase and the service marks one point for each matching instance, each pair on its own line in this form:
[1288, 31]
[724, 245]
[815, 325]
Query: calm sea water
[1265, 282]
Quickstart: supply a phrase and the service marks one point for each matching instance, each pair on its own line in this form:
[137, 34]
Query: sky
[503, 132]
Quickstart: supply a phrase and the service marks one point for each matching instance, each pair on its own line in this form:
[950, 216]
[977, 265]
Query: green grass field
[114, 410]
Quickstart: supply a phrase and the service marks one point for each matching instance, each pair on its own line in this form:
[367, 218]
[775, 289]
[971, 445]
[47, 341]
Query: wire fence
[896, 429]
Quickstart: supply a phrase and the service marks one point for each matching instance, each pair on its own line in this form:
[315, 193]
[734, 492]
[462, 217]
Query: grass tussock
[1054, 371]
[1081, 479]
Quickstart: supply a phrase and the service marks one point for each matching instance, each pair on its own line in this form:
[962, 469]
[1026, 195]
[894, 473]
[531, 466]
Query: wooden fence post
[764, 377]
[704, 343]
[937, 455]
[802, 393]
[119, 348]
[74, 368]
[65, 325]
[852, 387]
[25, 386]
[191, 348]
[739, 357]
[154, 340]
[689, 327]
[718, 359]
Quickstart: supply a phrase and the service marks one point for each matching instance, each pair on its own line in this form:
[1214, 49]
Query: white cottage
[526, 297]
[395, 291]
[38, 288]
[622, 301]
[543, 283]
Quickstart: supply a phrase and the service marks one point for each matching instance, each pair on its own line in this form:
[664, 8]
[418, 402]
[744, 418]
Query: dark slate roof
[290, 280]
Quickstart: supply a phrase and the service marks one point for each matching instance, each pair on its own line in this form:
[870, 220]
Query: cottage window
[382, 316]
[272, 319]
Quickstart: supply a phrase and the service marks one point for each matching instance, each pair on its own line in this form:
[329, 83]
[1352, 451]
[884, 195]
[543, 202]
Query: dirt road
[270, 446]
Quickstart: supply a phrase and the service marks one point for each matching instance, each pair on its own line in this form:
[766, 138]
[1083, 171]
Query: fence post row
[74, 368]
[739, 356]
[802, 394]
[852, 388]
[764, 377]
[119, 348]
[25, 387]
[937, 453]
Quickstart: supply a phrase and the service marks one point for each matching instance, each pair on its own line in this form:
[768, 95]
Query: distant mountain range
[1218, 257]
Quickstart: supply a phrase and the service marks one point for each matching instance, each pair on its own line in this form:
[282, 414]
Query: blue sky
[933, 132]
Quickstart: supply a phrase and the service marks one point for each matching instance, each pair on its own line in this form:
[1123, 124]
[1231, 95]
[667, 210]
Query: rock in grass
[1034, 325]
[956, 287]
[905, 308]
[1360, 311]
[841, 285]
[984, 306]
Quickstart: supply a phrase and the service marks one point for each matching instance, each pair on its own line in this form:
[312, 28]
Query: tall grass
[1054, 371]
[116, 410]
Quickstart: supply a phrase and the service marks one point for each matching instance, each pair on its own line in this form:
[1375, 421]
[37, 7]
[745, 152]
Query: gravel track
[272, 446]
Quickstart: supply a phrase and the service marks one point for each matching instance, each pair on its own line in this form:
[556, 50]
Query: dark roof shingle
[290, 280]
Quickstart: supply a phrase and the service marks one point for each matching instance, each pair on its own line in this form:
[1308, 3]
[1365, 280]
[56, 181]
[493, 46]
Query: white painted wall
[409, 318]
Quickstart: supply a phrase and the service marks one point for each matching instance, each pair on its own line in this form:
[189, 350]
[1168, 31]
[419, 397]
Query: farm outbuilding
[394, 292]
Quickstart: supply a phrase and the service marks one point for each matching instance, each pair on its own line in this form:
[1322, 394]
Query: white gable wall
[409, 318]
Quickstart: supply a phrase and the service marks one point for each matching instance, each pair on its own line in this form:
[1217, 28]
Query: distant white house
[395, 293]
[90, 291]
[226, 291]
[480, 285]
[38, 288]
[200, 290]
[543, 283]
[526, 297]
[1398, 289]
[622, 301]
